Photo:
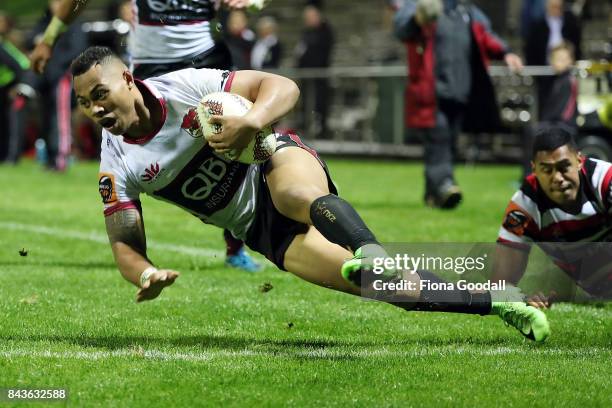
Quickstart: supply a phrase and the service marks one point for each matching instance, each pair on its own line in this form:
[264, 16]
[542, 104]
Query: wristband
[146, 274]
[55, 28]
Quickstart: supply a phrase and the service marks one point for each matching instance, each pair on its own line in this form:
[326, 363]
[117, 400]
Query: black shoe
[447, 200]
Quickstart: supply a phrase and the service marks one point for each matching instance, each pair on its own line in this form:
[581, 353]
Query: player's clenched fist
[155, 283]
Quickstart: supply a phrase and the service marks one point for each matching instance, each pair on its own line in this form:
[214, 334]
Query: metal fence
[366, 115]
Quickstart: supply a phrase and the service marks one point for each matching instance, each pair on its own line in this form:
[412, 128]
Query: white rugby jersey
[533, 218]
[165, 31]
[172, 165]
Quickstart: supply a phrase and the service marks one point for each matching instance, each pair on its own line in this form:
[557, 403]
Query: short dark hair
[90, 57]
[549, 137]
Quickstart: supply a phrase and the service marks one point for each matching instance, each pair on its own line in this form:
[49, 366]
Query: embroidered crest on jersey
[106, 186]
[151, 173]
[191, 124]
[516, 221]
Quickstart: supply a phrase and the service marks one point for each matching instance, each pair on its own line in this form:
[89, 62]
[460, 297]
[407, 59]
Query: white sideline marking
[103, 239]
[315, 353]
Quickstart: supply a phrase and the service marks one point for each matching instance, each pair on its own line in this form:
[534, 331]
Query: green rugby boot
[528, 320]
[352, 268]
[360, 268]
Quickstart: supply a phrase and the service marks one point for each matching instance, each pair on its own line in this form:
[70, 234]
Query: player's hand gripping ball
[263, 142]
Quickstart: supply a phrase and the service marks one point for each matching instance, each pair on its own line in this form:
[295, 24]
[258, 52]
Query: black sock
[339, 223]
[451, 301]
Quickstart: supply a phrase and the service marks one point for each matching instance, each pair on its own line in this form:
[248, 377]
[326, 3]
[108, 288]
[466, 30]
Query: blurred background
[351, 68]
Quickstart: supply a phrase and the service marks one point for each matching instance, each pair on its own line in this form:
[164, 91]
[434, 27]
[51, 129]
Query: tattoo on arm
[126, 226]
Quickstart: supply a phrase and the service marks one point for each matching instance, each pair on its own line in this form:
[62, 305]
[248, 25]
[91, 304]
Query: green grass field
[68, 319]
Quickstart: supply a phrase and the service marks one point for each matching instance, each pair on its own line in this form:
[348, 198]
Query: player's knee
[295, 201]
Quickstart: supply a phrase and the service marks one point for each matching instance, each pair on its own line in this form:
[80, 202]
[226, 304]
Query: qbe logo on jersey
[206, 184]
[202, 183]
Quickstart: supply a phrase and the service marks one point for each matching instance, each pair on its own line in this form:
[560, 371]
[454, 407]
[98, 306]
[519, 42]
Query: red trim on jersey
[64, 90]
[228, 82]
[299, 142]
[605, 187]
[516, 245]
[533, 181]
[583, 169]
[567, 267]
[570, 107]
[564, 227]
[120, 207]
[19, 103]
[164, 108]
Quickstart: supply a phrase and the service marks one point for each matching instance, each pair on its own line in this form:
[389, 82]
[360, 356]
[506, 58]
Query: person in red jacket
[449, 44]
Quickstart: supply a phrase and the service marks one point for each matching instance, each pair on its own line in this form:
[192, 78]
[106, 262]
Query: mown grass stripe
[102, 239]
[154, 354]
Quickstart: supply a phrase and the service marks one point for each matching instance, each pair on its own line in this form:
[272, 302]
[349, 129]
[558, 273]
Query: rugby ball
[263, 143]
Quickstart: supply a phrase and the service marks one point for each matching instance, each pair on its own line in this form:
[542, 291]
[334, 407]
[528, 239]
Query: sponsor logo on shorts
[106, 186]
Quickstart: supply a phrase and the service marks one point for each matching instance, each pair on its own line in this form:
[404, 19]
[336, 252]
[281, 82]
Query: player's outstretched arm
[273, 96]
[510, 264]
[67, 11]
[126, 234]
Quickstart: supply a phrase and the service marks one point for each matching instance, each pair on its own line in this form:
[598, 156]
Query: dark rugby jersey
[168, 31]
[531, 217]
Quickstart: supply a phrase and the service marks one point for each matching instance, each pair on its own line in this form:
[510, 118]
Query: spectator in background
[13, 63]
[117, 12]
[544, 34]
[449, 44]
[314, 51]
[267, 50]
[531, 11]
[558, 103]
[239, 39]
[54, 88]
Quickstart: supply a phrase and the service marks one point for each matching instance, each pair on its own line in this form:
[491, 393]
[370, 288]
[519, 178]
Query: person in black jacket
[267, 50]
[54, 87]
[558, 100]
[546, 33]
[314, 51]
[12, 65]
[561, 92]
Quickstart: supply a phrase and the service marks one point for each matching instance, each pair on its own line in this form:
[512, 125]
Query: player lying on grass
[567, 199]
[286, 209]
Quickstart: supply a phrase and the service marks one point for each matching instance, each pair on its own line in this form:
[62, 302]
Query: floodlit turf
[67, 318]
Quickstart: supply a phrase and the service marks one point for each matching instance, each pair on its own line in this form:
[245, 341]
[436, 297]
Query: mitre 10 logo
[106, 186]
